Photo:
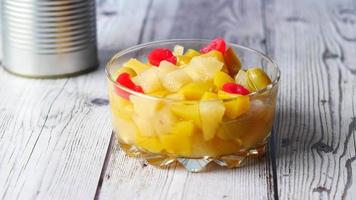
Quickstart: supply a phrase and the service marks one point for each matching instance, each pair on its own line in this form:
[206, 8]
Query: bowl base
[195, 164]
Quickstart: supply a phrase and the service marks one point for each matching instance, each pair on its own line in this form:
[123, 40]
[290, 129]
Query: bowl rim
[177, 41]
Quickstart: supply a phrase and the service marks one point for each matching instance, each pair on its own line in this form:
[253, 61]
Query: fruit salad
[187, 102]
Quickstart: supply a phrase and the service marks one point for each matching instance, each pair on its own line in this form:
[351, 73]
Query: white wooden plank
[128, 178]
[53, 138]
[54, 135]
[314, 44]
[0, 33]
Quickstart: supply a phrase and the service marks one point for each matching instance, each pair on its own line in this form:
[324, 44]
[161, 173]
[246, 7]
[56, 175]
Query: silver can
[48, 38]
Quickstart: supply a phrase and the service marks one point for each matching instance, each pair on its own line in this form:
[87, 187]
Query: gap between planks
[105, 165]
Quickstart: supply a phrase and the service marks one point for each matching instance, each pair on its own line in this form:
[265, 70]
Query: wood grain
[54, 135]
[313, 42]
[128, 178]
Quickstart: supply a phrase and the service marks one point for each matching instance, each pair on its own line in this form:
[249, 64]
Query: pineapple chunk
[151, 144]
[124, 111]
[164, 68]
[136, 65]
[203, 68]
[242, 79]
[124, 70]
[160, 93]
[145, 125]
[125, 130]
[221, 78]
[174, 80]
[179, 141]
[176, 96]
[164, 120]
[211, 114]
[120, 107]
[195, 90]
[136, 80]
[149, 80]
[209, 95]
[196, 73]
[235, 107]
[183, 60]
[216, 54]
[191, 53]
[178, 50]
[201, 147]
[145, 110]
[145, 107]
[187, 112]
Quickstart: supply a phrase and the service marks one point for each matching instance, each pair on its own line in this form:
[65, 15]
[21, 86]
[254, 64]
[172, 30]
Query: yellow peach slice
[191, 53]
[195, 90]
[221, 78]
[209, 96]
[124, 70]
[136, 65]
[216, 54]
[187, 112]
[179, 141]
[151, 144]
[234, 107]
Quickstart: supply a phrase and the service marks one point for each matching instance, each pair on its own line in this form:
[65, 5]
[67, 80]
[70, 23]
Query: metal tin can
[48, 38]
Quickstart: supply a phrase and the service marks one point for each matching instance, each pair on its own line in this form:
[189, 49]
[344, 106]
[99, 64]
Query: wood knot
[108, 13]
[320, 189]
[99, 102]
[323, 101]
[327, 54]
[322, 147]
[285, 142]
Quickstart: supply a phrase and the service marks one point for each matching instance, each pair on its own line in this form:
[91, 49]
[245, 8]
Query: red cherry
[125, 80]
[229, 87]
[138, 89]
[235, 89]
[172, 59]
[160, 54]
[241, 90]
[216, 44]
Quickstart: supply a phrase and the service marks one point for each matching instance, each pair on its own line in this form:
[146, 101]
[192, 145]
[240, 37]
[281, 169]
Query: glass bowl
[163, 131]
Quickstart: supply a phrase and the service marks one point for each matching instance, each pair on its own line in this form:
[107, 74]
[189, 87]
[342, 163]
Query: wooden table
[55, 135]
